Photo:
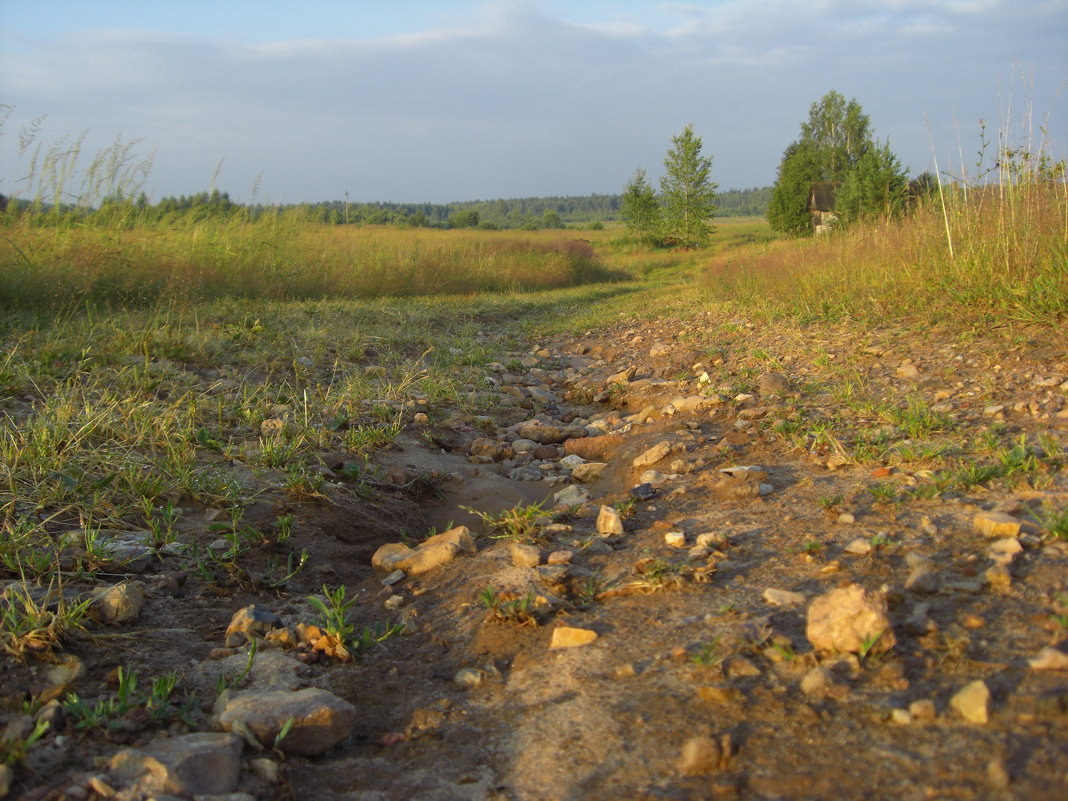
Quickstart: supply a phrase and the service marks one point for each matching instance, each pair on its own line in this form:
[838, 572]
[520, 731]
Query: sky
[448, 100]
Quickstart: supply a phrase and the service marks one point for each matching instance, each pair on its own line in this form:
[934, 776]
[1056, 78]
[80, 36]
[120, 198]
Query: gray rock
[922, 580]
[321, 720]
[571, 496]
[1049, 658]
[588, 472]
[777, 597]
[194, 764]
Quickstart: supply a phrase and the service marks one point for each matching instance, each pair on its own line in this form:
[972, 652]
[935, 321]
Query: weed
[883, 492]
[28, 625]
[917, 419]
[120, 708]
[831, 503]
[627, 508]
[377, 633]
[709, 654]
[333, 612]
[1054, 521]
[508, 607]
[868, 643]
[521, 523]
[15, 748]
[283, 529]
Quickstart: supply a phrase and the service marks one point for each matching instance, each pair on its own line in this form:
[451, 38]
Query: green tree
[839, 131]
[876, 188]
[788, 210]
[688, 194]
[640, 209]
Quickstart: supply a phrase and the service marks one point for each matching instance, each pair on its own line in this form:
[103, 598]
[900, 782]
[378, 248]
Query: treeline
[529, 213]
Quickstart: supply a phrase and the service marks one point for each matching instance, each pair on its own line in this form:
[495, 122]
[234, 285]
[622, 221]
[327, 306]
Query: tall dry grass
[999, 248]
[277, 259]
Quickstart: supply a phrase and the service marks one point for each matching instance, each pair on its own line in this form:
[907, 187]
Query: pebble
[571, 497]
[654, 454]
[923, 709]
[996, 524]
[1049, 658]
[194, 764]
[524, 555]
[922, 580]
[609, 523]
[320, 719]
[859, 547]
[972, 702]
[700, 756]
[571, 637]
[118, 604]
[675, 539]
[468, 677]
[783, 597]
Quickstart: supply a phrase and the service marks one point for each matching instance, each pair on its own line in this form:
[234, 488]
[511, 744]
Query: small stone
[7, 775]
[923, 709]
[572, 497]
[643, 492]
[999, 578]
[421, 419]
[902, 717]
[859, 547]
[1004, 551]
[267, 769]
[783, 597]
[922, 580]
[588, 472]
[998, 774]
[653, 455]
[571, 637]
[996, 524]
[428, 555]
[524, 555]
[816, 681]
[700, 756]
[720, 694]
[118, 604]
[773, 384]
[468, 677]
[908, 370]
[675, 539]
[739, 667]
[251, 621]
[609, 523]
[972, 702]
[100, 787]
[1049, 658]
[562, 557]
[845, 518]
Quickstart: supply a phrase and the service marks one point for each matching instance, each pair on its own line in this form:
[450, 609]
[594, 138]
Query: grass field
[140, 363]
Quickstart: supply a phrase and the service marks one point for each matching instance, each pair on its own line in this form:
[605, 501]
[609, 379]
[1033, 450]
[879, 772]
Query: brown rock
[593, 448]
[433, 552]
[571, 637]
[996, 524]
[194, 764]
[700, 756]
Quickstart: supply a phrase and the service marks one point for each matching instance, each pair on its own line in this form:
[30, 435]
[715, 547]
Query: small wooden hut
[821, 205]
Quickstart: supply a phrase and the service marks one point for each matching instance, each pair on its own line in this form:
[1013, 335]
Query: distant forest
[525, 213]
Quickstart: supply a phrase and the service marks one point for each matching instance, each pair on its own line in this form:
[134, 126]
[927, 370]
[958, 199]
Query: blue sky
[413, 100]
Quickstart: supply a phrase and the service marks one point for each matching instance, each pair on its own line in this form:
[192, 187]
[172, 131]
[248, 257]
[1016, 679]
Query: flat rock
[851, 620]
[524, 555]
[321, 720]
[588, 472]
[773, 384]
[996, 524]
[195, 764]
[571, 496]
[654, 454]
[777, 597]
[571, 637]
[593, 448]
[1049, 658]
[431, 553]
[545, 434]
[972, 702]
